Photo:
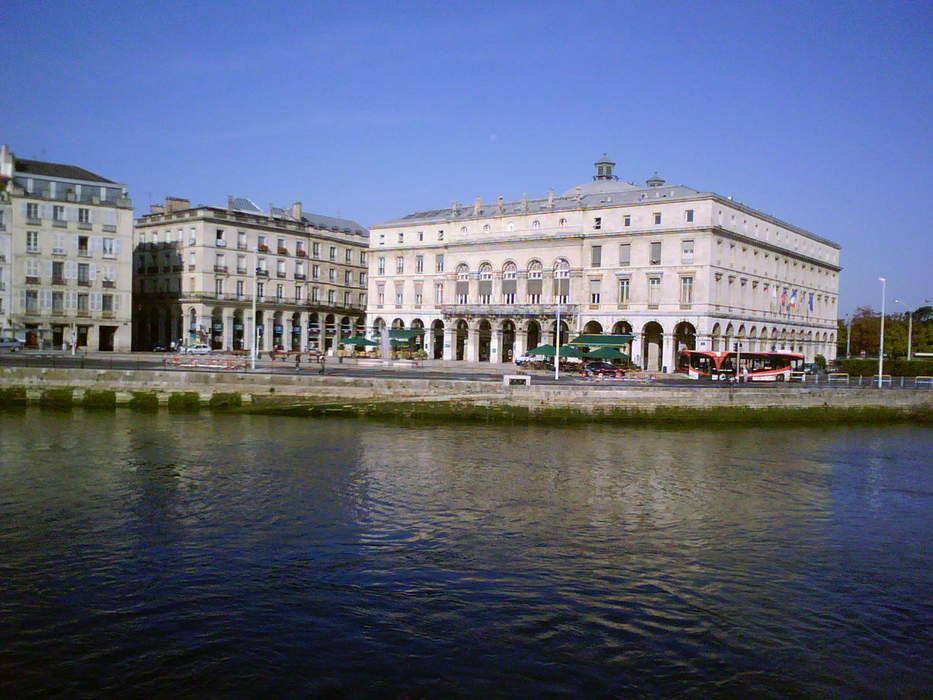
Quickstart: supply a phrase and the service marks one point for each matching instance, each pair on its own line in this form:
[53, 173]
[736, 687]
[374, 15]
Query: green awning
[607, 353]
[598, 341]
[406, 334]
[358, 340]
[550, 351]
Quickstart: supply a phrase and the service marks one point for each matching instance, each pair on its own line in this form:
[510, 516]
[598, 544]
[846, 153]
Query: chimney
[296, 211]
[173, 204]
[550, 199]
[525, 202]
[477, 206]
[230, 206]
[500, 204]
[455, 208]
[156, 208]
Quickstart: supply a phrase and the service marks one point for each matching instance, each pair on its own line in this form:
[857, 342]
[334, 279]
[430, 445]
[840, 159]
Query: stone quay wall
[284, 389]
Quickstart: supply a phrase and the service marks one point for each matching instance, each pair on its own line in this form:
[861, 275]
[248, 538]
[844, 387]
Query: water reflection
[209, 554]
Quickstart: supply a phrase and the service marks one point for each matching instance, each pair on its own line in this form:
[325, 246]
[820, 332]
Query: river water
[247, 556]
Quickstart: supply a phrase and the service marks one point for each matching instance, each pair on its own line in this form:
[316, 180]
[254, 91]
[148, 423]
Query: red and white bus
[753, 366]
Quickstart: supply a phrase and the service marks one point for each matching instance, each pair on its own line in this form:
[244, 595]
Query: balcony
[192, 268]
[109, 284]
[32, 280]
[283, 251]
[241, 270]
[33, 250]
[220, 243]
[262, 273]
[83, 312]
[177, 268]
[280, 275]
[58, 223]
[84, 283]
[300, 276]
[84, 253]
[242, 246]
[106, 314]
[220, 268]
[58, 280]
[84, 226]
[301, 253]
[262, 248]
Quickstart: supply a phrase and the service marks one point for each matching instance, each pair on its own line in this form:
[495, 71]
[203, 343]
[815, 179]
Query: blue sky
[817, 113]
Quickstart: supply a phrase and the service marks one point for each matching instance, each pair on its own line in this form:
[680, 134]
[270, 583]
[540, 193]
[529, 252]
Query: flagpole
[557, 346]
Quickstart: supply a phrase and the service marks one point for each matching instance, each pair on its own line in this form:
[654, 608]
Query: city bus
[753, 366]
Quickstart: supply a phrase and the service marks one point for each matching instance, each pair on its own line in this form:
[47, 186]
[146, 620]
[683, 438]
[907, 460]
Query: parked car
[601, 369]
[158, 347]
[11, 344]
[527, 359]
[196, 349]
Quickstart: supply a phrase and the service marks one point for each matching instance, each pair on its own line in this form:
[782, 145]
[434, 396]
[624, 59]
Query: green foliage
[896, 368]
[12, 396]
[866, 333]
[220, 402]
[144, 401]
[820, 361]
[100, 399]
[184, 402]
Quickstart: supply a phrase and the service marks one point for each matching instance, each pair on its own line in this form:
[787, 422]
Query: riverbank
[446, 401]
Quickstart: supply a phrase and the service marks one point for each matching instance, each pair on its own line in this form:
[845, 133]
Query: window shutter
[95, 301]
[71, 270]
[561, 286]
[534, 286]
[74, 242]
[485, 287]
[22, 299]
[25, 209]
[45, 211]
[71, 300]
[92, 272]
[46, 298]
[95, 244]
[116, 302]
[48, 269]
[117, 246]
[509, 286]
[463, 288]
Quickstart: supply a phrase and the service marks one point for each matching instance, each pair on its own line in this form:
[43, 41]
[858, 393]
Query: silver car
[11, 344]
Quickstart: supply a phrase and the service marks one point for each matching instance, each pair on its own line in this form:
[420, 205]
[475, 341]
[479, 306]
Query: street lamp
[255, 326]
[881, 349]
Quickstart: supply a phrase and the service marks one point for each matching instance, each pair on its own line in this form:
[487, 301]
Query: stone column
[268, 331]
[521, 343]
[668, 352]
[495, 346]
[228, 330]
[303, 335]
[636, 349]
[472, 346]
[450, 343]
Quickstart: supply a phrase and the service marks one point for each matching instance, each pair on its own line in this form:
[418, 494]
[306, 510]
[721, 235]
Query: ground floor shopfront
[63, 333]
[501, 334]
[229, 328]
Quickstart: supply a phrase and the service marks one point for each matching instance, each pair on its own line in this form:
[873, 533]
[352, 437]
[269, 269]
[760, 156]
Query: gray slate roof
[318, 221]
[70, 172]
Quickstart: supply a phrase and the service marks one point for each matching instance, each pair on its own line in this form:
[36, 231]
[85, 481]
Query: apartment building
[676, 267]
[65, 255]
[200, 271]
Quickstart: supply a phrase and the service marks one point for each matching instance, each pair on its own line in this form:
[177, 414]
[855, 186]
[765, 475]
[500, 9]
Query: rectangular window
[686, 252]
[399, 265]
[439, 293]
[420, 235]
[439, 262]
[315, 294]
[347, 277]
[84, 273]
[331, 297]
[419, 296]
[348, 255]
[316, 249]
[108, 247]
[686, 290]
[596, 256]
[657, 217]
[241, 264]
[655, 254]
[32, 210]
[219, 238]
[260, 289]
[299, 292]
[654, 290]
[241, 240]
[398, 295]
[240, 286]
[625, 254]
[598, 223]
[594, 291]
[315, 271]
[689, 216]
[84, 215]
[32, 241]
[362, 257]
[333, 252]
[219, 286]
[380, 266]
[362, 279]
[58, 212]
[419, 264]
[624, 289]
[401, 237]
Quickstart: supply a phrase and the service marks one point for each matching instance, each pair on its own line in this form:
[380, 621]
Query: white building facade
[65, 256]
[675, 267]
[199, 269]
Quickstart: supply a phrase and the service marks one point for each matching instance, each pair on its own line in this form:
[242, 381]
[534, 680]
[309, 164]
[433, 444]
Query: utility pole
[881, 348]
[255, 325]
[557, 346]
[848, 337]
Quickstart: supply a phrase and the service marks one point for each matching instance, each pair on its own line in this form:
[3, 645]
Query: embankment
[452, 400]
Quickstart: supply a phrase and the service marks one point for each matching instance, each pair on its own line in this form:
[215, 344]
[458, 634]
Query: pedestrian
[322, 359]
[297, 361]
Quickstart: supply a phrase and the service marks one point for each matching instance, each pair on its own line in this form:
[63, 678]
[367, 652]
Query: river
[245, 556]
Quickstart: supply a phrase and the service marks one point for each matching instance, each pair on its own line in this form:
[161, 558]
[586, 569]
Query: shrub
[184, 401]
[57, 398]
[896, 368]
[220, 402]
[100, 399]
[144, 401]
[12, 396]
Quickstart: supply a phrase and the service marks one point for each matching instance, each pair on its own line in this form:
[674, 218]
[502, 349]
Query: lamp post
[881, 348]
[255, 325]
[849, 337]
[557, 346]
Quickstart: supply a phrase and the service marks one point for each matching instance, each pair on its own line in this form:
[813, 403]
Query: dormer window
[485, 227]
[562, 222]
[535, 224]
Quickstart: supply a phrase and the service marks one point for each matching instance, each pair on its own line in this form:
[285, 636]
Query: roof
[70, 172]
[318, 221]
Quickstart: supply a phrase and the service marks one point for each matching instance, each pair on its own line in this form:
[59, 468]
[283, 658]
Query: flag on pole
[793, 299]
[811, 302]
[784, 297]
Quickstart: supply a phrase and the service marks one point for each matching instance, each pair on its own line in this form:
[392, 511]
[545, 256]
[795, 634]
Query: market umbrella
[607, 353]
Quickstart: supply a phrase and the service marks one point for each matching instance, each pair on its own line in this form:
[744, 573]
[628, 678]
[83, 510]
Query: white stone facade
[198, 269]
[676, 267]
[65, 242]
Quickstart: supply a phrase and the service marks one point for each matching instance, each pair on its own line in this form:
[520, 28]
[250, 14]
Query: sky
[816, 113]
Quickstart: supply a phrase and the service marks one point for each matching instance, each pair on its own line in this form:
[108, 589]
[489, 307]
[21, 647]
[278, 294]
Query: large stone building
[676, 267]
[198, 269]
[65, 255]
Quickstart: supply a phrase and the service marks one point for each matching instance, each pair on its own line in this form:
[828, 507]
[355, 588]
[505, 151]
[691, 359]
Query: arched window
[485, 227]
[485, 283]
[463, 283]
[535, 224]
[534, 282]
[463, 271]
[562, 269]
[534, 270]
[562, 281]
[485, 271]
[562, 222]
[509, 271]
[509, 282]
